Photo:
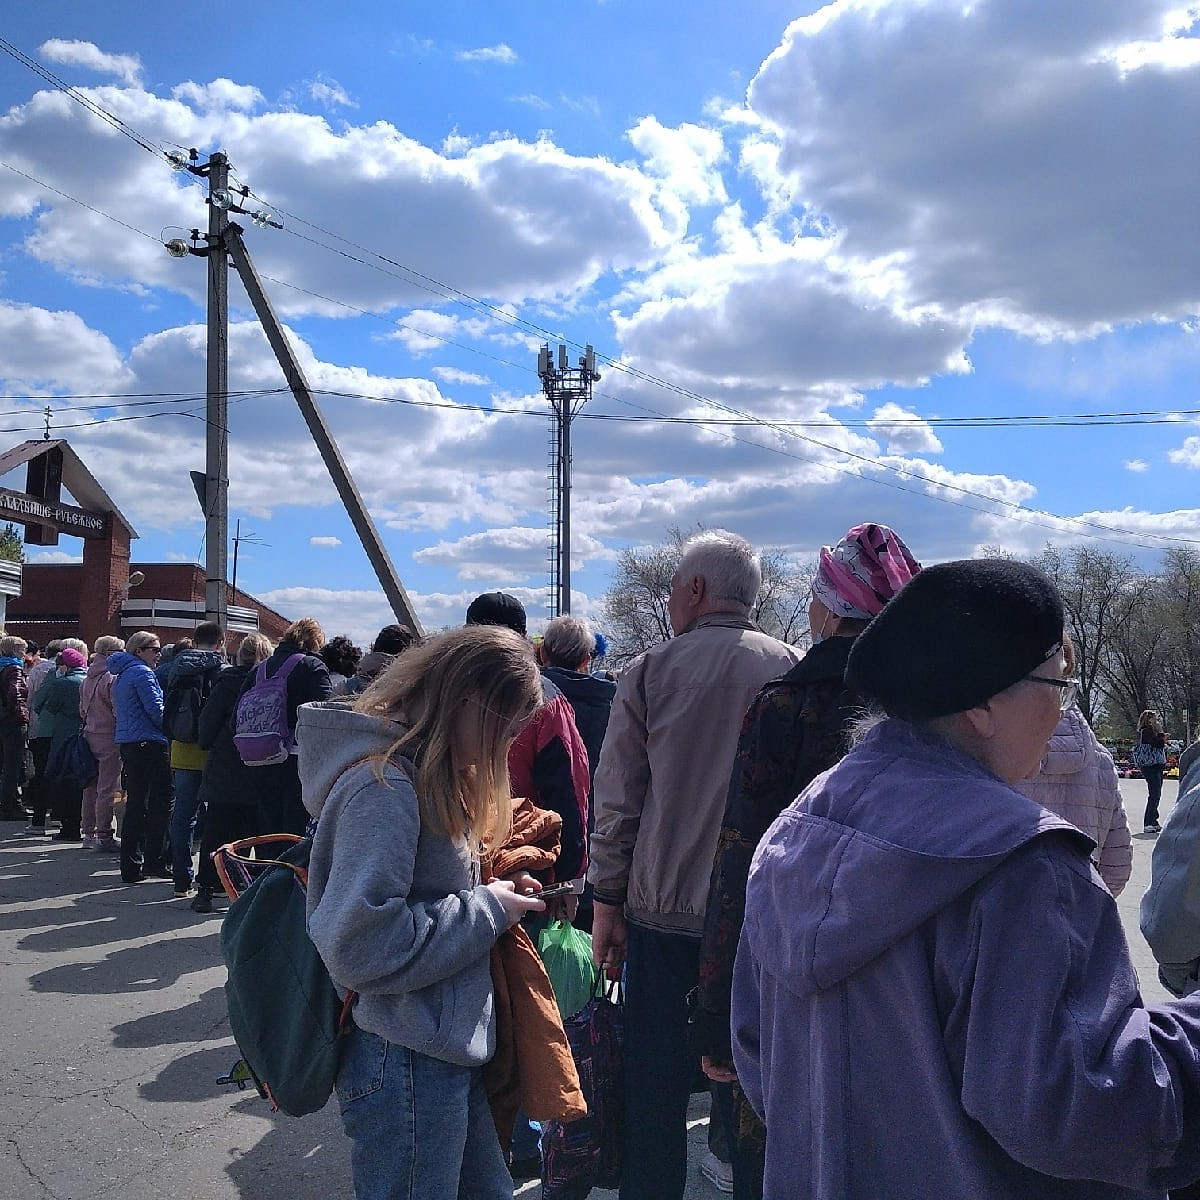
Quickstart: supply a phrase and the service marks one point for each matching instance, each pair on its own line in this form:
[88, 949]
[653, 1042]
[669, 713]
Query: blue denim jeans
[183, 824]
[421, 1128]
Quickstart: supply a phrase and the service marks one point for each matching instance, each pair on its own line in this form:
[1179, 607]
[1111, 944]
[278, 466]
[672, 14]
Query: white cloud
[1187, 455]
[219, 96]
[325, 542]
[126, 67]
[52, 556]
[903, 431]
[513, 219]
[967, 139]
[40, 349]
[687, 159]
[454, 375]
[1139, 466]
[330, 93]
[359, 615]
[505, 55]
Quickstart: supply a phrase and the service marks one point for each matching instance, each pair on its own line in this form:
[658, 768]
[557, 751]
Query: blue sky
[876, 232]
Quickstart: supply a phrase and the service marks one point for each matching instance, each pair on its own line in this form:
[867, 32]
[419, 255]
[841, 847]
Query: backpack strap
[239, 863]
[289, 664]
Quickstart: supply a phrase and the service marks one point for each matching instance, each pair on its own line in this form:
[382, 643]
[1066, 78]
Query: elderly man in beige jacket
[659, 800]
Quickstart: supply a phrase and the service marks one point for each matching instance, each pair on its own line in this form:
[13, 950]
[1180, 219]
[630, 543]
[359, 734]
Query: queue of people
[157, 721]
[865, 893]
[900, 967]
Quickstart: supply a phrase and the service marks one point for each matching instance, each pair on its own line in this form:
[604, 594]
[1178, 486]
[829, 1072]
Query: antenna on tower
[568, 390]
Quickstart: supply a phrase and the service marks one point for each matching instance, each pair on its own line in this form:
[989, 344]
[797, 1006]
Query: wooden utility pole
[216, 458]
[224, 242]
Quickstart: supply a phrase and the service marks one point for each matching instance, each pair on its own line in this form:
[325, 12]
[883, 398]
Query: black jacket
[590, 698]
[226, 778]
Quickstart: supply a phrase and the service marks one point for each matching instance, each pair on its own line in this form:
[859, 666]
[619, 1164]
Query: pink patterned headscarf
[859, 575]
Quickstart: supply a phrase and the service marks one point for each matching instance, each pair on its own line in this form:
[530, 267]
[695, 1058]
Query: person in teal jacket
[57, 706]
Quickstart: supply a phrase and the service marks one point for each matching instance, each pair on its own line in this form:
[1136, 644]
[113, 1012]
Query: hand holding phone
[554, 889]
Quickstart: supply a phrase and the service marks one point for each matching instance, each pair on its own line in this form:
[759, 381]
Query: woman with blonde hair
[145, 758]
[410, 785]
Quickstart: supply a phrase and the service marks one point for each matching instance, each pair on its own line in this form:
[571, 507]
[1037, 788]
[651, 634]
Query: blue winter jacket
[933, 997]
[137, 699]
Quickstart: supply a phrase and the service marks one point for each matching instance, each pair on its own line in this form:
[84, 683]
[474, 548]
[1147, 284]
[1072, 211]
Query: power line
[448, 292]
[1172, 416]
[80, 98]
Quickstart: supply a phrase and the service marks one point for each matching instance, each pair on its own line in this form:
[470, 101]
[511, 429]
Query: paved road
[112, 1009]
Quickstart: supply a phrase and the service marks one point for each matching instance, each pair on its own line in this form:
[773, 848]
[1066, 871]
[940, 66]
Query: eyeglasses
[152, 649]
[1068, 689]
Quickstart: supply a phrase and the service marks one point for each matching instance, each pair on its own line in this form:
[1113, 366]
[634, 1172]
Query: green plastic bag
[567, 954]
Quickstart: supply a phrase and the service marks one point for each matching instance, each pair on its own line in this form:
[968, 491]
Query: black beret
[497, 608]
[955, 635]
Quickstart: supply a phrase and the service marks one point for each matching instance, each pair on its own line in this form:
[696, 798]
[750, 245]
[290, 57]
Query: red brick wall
[69, 599]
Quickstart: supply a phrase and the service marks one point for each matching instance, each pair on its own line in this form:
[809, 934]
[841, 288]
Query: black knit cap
[955, 635]
[497, 608]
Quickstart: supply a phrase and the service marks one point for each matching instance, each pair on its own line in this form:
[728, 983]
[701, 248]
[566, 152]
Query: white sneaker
[91, 842]
[718, 1173]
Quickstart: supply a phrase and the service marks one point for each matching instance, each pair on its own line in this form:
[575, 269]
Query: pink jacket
[95, 699]
[1077, 780]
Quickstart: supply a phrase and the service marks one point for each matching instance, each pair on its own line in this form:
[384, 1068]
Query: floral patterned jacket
[796, 728]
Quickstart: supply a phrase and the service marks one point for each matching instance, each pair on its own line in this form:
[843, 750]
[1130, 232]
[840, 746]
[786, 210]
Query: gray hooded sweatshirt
[397, 913]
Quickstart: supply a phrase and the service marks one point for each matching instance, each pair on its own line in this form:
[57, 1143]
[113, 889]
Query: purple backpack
[260, 725]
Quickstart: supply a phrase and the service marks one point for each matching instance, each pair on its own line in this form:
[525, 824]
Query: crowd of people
[158, 721]
[862, 895]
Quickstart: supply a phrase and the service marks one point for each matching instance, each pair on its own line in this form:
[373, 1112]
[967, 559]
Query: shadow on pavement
[135, 969]
[206, 1017]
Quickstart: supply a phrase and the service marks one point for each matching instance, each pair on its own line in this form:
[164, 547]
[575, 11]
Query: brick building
[168, 600]
[106, 593]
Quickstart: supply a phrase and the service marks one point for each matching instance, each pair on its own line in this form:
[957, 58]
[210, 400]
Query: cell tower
[568, 389]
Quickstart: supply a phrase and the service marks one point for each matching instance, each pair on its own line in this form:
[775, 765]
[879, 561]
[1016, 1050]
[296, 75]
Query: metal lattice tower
[568, 389]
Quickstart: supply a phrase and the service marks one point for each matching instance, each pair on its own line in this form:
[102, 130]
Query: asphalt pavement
[112, 1007]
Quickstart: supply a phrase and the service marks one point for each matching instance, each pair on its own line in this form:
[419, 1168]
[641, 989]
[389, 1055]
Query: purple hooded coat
[933, 997]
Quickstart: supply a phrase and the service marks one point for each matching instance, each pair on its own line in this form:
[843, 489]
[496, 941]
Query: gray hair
[75, 644]
[109, 644]
[12, 646]
[728, 564]
[140, 640]
[568, 641]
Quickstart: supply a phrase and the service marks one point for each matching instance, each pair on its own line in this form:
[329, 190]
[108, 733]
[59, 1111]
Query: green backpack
[287, 1018]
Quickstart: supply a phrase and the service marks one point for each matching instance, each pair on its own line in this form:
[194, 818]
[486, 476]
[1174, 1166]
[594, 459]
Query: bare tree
[635, 606]
[1094, 585]
[782, 607]
[1134, 654]
[1178, 605]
